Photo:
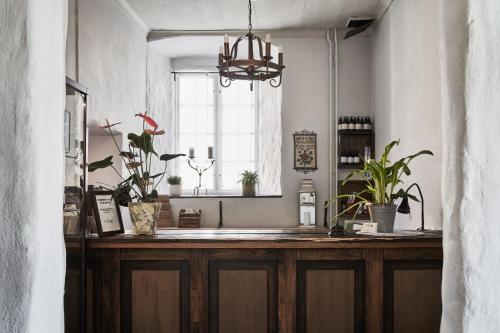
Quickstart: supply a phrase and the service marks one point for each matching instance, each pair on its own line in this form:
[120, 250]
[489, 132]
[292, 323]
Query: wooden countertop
[261, 238]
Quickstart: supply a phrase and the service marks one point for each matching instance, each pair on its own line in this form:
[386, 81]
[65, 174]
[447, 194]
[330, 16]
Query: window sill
[223, 196]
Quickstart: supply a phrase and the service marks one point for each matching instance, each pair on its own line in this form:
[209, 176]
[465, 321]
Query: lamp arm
[421, 201]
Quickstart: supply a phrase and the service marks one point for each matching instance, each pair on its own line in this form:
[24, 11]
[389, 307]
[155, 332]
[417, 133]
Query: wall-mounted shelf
[353, 143]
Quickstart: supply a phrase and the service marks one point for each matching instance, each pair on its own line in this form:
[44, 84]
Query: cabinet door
[155, 296]
[242, 296]
[412, 296]
[330, 296]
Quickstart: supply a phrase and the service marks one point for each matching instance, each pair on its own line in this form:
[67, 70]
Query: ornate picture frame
[305, 157]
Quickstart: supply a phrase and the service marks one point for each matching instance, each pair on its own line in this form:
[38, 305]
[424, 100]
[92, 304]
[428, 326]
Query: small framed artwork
[304, 147]
[106, 213]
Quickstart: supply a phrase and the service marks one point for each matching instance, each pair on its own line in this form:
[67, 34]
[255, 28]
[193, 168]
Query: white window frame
[217, 181]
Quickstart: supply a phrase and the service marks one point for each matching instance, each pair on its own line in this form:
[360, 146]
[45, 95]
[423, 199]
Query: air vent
[358, 24]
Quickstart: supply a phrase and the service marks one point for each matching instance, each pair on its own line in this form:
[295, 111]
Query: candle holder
[200, 171]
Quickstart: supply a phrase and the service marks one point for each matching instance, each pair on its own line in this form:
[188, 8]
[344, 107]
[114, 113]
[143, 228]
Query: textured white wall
[406, 97]
[160, 105]
[471, 191]
[32, 255]
[112, 62]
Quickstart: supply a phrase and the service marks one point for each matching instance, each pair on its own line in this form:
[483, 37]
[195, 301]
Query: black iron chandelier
[231, 68]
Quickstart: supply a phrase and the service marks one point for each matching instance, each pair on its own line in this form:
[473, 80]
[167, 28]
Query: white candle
[221, 49]
[280, 49]
[191, 152]
[268, 38]
[226, 38]
[210, 152]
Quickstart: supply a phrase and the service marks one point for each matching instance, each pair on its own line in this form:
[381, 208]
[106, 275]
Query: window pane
[196, 127]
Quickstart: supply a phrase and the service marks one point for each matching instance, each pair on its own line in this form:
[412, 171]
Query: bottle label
[351, 126]
[358, 126]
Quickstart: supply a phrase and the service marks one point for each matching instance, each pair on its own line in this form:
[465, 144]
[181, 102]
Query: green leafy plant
[382, 180]
[140, 184]
[174, 180]
[249, 177]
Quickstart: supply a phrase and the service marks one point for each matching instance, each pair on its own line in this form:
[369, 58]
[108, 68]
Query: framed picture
[106, 213]
[304, 148]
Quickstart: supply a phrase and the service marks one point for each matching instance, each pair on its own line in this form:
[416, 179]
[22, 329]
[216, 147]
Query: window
[224, 118]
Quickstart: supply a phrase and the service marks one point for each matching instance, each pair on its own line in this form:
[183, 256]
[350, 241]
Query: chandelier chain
[249, 15]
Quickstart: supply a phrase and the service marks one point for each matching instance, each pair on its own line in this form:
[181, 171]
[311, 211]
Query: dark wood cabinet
[310, 286]
[155, 296]
[243, 296]
[330, 296]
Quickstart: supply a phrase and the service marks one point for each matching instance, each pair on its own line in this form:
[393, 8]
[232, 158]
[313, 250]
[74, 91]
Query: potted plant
[248, 180]
[137, 190]
[382, 180]
[175, 185]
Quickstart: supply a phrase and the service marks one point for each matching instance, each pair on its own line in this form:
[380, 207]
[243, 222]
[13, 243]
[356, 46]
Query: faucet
[219, 225]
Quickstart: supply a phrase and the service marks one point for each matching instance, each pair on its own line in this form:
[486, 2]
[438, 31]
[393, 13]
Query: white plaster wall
[406, 97]
[160, 105]
[354, 75]
[471, 293]
[112, 62]
[72, 41]
[305, 106]
[32, 35]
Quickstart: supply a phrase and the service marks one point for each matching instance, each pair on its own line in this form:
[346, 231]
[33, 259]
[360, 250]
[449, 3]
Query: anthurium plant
[382, 180]
[139, 184]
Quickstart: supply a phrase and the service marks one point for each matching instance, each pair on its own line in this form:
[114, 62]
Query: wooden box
[188, 220]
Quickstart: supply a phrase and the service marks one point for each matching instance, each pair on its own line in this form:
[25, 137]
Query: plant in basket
[138, 189]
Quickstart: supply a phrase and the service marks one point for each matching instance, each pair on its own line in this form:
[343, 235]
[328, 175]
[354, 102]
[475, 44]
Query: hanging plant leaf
[133, 165]
[144, 142]
[148, 119]
[108, 125]
[157, 175]
[168, 157]
[151, 132]
[100, 164]
[128, 155]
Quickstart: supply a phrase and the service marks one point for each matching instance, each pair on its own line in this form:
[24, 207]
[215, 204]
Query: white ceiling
[232, 14]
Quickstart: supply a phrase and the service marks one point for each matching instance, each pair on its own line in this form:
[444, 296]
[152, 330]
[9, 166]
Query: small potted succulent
[175, 183]
[137, 190]
[382, 179]
[248, 180]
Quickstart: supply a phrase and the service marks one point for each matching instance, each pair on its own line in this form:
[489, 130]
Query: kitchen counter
[260, 238]
[260, 280]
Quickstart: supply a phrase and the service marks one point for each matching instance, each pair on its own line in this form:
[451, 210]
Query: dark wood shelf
[350, 166]
[355, 132]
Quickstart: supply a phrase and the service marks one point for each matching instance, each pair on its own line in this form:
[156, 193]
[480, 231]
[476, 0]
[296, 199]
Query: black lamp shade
[404, 207]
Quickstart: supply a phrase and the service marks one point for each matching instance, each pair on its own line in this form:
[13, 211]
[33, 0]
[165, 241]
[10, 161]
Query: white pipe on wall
[330, 118]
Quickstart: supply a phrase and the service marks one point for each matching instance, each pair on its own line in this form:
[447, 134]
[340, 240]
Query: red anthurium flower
[150, 132]
[148, 119]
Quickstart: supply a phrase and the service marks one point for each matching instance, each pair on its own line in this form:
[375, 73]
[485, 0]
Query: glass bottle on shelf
[351, 123]
[339, 124]
[368, 125]
[357, 124]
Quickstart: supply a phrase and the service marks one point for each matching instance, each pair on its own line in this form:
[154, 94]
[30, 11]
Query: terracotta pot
[384, 216]
[144, 217]
[175, 190]
[248, 190]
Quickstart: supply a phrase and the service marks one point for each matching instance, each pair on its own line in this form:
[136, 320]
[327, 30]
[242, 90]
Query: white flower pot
[175, 190]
